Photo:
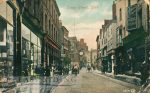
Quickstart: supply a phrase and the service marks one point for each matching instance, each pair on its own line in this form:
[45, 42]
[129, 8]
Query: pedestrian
[47, 74]
[115, 69]
[144, 69]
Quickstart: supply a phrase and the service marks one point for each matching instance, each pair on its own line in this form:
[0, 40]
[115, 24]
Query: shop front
[134, 46]
[31, 51]
[52, 54]
[7, 13]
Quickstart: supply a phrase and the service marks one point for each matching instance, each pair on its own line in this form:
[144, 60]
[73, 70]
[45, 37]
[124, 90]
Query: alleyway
[90, 82]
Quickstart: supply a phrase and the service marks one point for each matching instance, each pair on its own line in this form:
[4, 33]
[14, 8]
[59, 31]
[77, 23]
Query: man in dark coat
[144, 72]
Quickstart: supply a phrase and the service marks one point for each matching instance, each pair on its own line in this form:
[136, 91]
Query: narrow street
[46, 46]
[90, 82]
[85, 82]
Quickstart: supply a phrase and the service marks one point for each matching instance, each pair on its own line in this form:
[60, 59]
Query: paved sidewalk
[129, 79]
[37, 85]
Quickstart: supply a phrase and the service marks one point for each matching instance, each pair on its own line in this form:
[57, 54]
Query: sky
[84, 18]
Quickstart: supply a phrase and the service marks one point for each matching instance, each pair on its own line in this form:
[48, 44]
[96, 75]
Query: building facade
[98, 61]
[93, 55]
[124, 41]
[83, 49]
[66, 48]
[51, 27]
[135, 41]
[111, 46]
[32, 35]
[8, 31]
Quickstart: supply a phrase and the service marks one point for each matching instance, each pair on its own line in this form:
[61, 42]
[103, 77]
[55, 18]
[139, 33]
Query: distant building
[93, 54]
[74, 53]
[66, 40]
[65, 52]
[82, 45]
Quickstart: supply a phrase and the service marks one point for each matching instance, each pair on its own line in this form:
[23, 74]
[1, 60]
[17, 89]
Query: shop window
[39, 55]
[25, 48]
[10, 41]
[32, 52]
[35, 55]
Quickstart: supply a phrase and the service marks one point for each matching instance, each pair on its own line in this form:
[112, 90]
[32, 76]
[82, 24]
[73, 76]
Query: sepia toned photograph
[74, 46]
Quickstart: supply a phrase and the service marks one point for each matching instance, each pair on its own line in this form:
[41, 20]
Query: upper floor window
[2, 29]
[120, 14]
[45, 22]
[129, 2]
[49, 27]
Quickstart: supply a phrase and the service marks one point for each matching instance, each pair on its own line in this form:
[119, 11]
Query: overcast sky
[83, 18]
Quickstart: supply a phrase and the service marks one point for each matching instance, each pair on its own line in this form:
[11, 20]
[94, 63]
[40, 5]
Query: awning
[134, 39]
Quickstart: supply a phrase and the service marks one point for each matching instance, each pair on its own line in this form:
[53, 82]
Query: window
[52, 30]
[49, 28]
[52, 10]
[54, 34]
[129, 2]
[45, 23]
[1, 35]
[120, 14]
[10, 40]
[2, 29]
[33, 7]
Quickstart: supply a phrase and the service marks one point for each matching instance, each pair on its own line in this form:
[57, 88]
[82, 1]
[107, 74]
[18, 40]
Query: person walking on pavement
[144, 72]
[47, 74]
[144, 69]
